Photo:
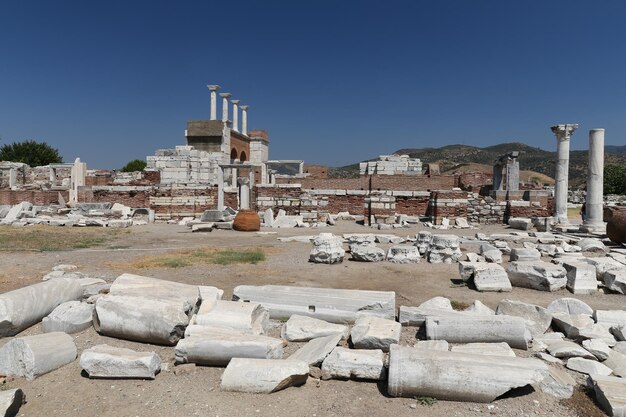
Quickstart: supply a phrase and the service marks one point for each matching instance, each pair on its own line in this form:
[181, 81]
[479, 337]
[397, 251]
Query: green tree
[30, 152]
[134, 165]
[614, 179]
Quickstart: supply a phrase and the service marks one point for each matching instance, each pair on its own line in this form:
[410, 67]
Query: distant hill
[452, 157]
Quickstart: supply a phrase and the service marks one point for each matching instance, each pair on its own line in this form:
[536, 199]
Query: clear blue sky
[333, 82]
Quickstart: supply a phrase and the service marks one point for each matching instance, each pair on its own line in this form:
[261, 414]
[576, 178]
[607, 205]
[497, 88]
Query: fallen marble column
[458, 376]
[69, 317]
[315, 351]
[104, 361]
[489, 349]
[250, 318]
[610, 393]
[263, 376]
[140, 286]
[303, 328]
[537, 318]
[21, 308]
[31, 356]
[149, 320]
[488, 329]
[10, 402]
[345, 363]
[437, 306]
[332, 305]
[214, 346]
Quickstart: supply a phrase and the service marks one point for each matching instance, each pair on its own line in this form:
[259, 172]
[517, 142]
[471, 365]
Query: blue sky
[333, 82]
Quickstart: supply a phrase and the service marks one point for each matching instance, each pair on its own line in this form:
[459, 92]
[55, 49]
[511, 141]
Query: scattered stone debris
[104, 361]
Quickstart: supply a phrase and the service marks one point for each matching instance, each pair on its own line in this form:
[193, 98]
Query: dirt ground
[190, 390]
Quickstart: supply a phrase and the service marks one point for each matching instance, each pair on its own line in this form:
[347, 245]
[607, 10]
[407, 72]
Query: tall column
[220, 188]
[235, 115]
[244, 120]
[244, 193]
[563, 135]
[225, 97]
[594, 204]
[213, 89]
[512, 175]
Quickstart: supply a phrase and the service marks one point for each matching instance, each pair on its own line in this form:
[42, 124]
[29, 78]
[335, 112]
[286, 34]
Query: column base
[595, 228]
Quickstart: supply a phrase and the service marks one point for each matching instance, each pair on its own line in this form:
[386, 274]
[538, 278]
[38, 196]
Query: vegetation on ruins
[202, 256]
[134, 165]
[42, 238]
[30, 152]
[615, 179]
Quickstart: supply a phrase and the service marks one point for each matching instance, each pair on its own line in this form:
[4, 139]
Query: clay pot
[616, 223]
[247, 221]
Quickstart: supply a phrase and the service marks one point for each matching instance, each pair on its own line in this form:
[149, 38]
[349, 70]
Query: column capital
[244, 108]
[213, 87]
[564, 131]
[225, 95]
[235, 102]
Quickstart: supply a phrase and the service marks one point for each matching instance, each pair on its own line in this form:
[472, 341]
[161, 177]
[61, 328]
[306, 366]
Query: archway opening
[243, 158]
[233, 154]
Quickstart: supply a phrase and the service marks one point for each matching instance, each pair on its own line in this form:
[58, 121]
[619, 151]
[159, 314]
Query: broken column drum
[563, 135]
[594, 201]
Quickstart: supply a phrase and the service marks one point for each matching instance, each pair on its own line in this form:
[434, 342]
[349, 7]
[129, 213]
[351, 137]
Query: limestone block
[541, 342]
[393, 239]
[432, 344]
[375, 333]
[327, 249]
[540, 275]
[423, 240]
[538, 319]
[31, 356]
[558, 383]
[570, 306]
[367, 253]
[602, 265]
[148, 320]
[104, 361]
[598, 348]
[610, 318]
[333, 305]
[491, 253]
[69, 317]
[10, 402]
[525, 255]
[520, 223]
[263, 376]
[567, 349]
[250, 318]
[303, 328]
[345, 363]
[316, 350]
[26, 306]
[610, 393]
[548, 358]
[467, 270]
[460, 376]
[492, 279]
[492, 349]
[615, 280]
[597, 331]
[216, 347]
[590, 244]
[571, 324]
[617, 362]
[488, 329]
[581, 277]
[587, 366]
[479, 308]
[403, 254]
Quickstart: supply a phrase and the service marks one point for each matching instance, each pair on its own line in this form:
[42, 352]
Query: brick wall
[379, 182]
[37, 197]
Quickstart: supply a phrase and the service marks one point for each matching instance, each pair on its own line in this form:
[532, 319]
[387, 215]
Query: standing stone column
[220, 188]
[225, 97]
[244, 193]
[563, 135]
[213, 89]
[594, 202]
[244, 120]
[512, 175]
[235, 115]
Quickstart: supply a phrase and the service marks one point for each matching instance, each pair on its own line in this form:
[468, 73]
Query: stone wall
[378, 183]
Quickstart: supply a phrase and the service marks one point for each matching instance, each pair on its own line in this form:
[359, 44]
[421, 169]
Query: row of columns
[225, 96]
[594, 202]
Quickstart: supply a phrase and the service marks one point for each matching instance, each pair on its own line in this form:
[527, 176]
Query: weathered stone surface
[541, 342]
[570, 306]
[567, 349]
[333, 305]
[491, 253]
[571, 324]
[492, 279]
[69, 317]
[345, 363]
[467, 270]
[619, 331]
[10, 402]
[437, 306]
[250, 318]
[263, 376]
[541, 276]
[602, 265]
[615, 280]
[444, 249]
[31, 356]
[315, 351]
[488, 329]
[368, 253]
[460, 376]
[268, 217]
[148, 320]
[610, 393]
[303, 328]
[590, 244]
[548, 358]
[403, 254]
[598, 348]
[479, 308]
[104, 361]
[432, 344]
[558, 383]
[588, 366]
[26, 306]
[525, 255]
[493, 349]
[520, 223]
[538, 319]
[610, 318]
[327, 249]
[217, 347]
[209, 296]
[375, 333]
[597, 331]
[617, 362]
[423, 240]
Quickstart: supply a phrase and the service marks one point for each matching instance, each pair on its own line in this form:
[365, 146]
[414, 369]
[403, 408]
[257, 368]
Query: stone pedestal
[595, 184]
[563, 135]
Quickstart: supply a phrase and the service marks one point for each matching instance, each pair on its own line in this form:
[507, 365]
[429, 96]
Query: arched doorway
[243, 158]
[233, 154]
